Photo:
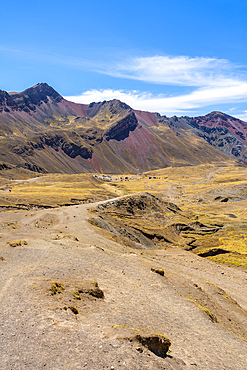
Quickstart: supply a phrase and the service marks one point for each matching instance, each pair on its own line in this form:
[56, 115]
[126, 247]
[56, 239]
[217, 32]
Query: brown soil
[99, 284]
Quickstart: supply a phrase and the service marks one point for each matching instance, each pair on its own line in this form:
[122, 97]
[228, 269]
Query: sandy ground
[40, 331]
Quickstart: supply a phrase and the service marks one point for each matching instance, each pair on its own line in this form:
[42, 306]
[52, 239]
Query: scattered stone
[158, 271]
[139, 349]
[66, 236]
[76, 294]
[14, 243]
[74, 310]
[91, 289]
[2, 259]
[157, 343]
[17, 243]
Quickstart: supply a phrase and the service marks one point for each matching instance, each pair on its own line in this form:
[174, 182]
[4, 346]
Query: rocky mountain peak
[43, 90]
[6, 102]
[113, 106]
[28, 99]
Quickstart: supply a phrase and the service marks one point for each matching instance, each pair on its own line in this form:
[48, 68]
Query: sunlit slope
[198, 208]
[42, 132]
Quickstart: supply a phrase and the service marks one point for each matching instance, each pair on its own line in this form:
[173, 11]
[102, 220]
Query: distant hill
[42, 132]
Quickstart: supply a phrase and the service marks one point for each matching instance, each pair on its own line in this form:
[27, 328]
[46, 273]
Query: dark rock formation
[29, 99]
[4, 166]
[73, 150]
[33, 167]
[7, 103]
[122, 129]
[213, 252]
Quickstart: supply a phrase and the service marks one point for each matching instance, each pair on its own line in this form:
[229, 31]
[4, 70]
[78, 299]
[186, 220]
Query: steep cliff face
[121, 129]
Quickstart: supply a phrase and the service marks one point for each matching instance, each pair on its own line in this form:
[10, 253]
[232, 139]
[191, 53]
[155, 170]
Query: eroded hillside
[42, 132]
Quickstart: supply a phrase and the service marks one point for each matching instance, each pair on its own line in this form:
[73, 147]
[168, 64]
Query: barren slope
[42, 132]
[197, 304]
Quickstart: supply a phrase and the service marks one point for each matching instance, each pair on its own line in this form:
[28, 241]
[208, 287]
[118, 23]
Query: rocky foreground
[72, 297]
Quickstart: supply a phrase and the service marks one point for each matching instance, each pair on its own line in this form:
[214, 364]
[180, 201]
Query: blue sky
[173, 57]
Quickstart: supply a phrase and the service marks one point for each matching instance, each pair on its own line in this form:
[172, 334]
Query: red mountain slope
[42, 131]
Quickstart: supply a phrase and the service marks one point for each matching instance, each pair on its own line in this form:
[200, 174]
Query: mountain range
[42, 132]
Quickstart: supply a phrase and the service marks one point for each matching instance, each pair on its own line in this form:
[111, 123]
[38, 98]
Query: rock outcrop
[122, 128]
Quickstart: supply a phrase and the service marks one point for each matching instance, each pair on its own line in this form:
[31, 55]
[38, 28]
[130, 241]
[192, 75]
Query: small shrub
[158, 271]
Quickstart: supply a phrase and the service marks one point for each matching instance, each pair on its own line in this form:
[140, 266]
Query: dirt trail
[113, 189]
[37, 332]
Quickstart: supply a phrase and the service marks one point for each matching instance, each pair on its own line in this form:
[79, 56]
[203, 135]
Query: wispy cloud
[49, 58]
[242, 115]
[168, 105]
[212, 81]
[179, 70]
[216, 81]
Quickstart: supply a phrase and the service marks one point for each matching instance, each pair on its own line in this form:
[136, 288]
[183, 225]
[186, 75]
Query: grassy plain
[212, 194]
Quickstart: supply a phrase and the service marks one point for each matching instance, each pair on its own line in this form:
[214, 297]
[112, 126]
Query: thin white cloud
[179, 70]
[242, 116]
[216, 81]
[168, 105]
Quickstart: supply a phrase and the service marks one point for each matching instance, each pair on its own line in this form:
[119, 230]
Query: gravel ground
[40, 331]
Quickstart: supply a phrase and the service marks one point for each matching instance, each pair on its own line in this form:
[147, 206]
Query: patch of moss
[158, 271]
[74, 310]
[56, 288]
[95, 283]
[212, 317]
[76, 294]
[14, 243]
